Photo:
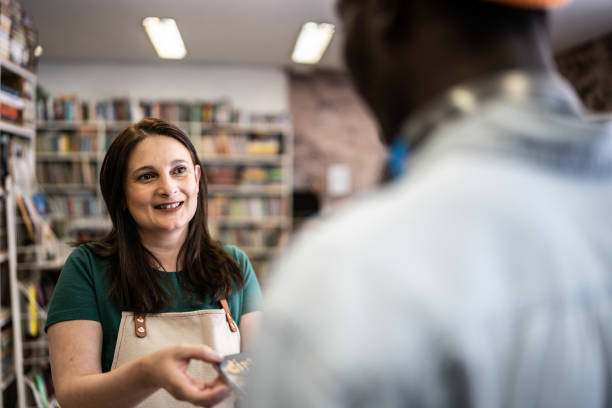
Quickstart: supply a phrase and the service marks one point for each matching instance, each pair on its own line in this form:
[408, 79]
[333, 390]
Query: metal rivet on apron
[140, 326]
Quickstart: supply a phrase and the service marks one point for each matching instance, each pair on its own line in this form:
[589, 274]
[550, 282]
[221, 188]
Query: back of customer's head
[403, 53]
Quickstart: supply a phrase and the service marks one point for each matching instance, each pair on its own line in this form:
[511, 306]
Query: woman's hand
[167, 369]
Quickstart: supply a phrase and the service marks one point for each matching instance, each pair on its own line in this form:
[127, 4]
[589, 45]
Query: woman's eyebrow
[149, 167]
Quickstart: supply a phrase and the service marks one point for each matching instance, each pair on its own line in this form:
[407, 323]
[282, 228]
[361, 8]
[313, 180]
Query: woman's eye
[146, 177]
[180, 170]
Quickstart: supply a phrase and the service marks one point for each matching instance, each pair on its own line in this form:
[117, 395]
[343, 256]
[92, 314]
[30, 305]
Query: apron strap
[228, 316]
[140, 322]
[140, 325]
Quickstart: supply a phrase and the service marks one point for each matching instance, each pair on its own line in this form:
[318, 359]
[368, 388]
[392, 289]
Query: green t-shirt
[82, 293]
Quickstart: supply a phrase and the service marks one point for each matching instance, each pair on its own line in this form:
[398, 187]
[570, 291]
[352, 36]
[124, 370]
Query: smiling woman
[161, 189]
[124, 304]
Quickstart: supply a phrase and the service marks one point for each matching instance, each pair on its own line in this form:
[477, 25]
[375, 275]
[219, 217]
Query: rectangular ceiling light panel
[312, 42]
[165, 37]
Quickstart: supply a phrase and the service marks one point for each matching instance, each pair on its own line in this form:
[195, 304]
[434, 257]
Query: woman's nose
[167, 186]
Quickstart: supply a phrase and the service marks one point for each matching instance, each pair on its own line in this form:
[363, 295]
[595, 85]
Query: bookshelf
[20, 232]
[248, 164]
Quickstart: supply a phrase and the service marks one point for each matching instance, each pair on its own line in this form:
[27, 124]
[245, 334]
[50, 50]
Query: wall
[332, 126]
[589, 68]
[255, 89]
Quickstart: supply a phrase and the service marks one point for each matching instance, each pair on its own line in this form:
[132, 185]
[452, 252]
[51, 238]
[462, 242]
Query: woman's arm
[249, 323]
[75, 353]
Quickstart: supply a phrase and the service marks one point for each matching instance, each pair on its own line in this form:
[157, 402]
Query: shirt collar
[530, 95]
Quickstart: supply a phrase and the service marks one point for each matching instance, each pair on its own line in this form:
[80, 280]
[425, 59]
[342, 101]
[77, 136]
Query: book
[235, 369]
[26, 218]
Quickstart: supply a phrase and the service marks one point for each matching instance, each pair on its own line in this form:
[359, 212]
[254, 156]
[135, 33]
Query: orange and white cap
[532, 4]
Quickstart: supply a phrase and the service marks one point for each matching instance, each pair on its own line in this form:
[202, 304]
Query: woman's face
[161, 187]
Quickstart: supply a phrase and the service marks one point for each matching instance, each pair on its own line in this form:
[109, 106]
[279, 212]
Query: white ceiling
[260, 32]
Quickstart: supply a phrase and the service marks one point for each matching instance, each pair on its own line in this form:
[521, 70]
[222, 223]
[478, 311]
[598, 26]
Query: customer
[129, 312]
[482, 277]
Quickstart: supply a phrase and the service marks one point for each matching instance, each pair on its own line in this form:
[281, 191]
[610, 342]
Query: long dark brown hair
[208, 270]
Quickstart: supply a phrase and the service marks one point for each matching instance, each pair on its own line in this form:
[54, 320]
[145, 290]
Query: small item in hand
[235, 369]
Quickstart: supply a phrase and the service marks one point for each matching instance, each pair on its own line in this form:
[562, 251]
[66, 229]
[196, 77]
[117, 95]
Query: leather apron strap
[140, 321]
[228, 316]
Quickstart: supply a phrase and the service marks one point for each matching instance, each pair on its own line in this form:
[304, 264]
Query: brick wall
[589, 68]
[332, 126]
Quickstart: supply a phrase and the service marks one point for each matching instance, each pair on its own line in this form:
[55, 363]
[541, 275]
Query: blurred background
[283, 137]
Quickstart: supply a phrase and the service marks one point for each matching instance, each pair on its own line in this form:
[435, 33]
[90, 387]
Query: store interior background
[240, 52]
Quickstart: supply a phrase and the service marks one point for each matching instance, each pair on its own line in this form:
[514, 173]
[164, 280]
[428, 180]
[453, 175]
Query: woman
[125, 307]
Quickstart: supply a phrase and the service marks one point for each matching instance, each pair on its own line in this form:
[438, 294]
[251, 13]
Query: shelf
[41, 360]
[109, 124]
[8, 380]
[17, 130]
[244, 158]
[5, 316]
[66, 186]
[16, 69]
[91, 222]
[260, 251]
[12, 100]
[72, 125]
[264, 189]
[56, 156]
[38, 343]
[269, 221]
[248, 127]
[42, 266]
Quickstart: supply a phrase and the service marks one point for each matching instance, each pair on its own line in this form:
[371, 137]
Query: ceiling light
[312, 42]
[165, 37]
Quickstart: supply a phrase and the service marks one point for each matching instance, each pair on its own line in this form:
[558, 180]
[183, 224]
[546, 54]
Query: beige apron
[139, 335]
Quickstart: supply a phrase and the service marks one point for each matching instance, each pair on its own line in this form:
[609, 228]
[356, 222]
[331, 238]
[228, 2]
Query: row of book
[6, 348]
[252, 207]
[18, 37]
[9, 113]
[204, 112]
[68, 205]
[73, 109]
[11, 157]
[249, 237]
[83, 139]
[261, 265]
[74, 172]
[70, 108]
[3, 230]
[233, 175]
[207, 112]
[223, 142]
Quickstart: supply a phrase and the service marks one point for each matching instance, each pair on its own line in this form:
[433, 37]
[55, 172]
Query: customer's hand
[168, 369]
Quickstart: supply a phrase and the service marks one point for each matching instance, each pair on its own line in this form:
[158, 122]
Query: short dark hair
[208, 270]
[483, 20]
[479, 20]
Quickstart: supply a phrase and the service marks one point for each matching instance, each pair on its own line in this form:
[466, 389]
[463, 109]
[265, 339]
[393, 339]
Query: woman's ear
[198, 172]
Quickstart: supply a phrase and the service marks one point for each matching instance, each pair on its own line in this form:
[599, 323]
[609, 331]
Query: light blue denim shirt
[482, 278]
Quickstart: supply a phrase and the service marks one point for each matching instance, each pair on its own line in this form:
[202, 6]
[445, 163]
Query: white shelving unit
[21, 131]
